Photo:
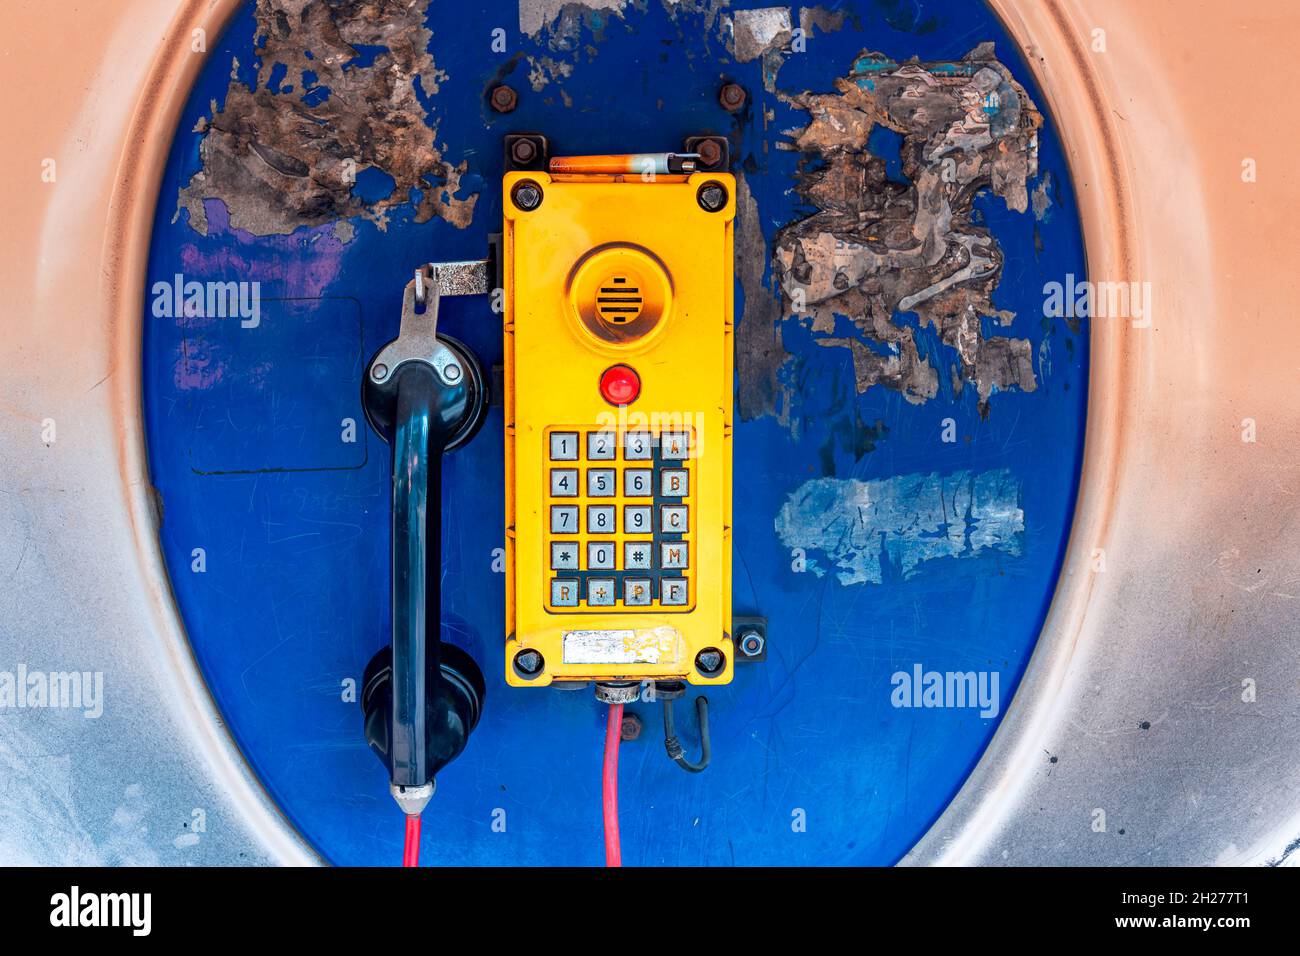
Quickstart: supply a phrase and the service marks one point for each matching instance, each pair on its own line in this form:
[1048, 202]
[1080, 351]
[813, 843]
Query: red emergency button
[620, 385]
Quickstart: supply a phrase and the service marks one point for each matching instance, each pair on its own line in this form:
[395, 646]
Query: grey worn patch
[280, 159]
[905, 520]
[878, 246]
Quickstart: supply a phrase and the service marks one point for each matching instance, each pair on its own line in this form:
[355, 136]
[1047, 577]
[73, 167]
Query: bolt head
[712, 196]
[732, 97]
[630, 728]
[523, 151]
[451, 373]
[710, 661]
[528, 663]
[504, 99]
[527, 195]
[751, 643]
[710, 152]
[379, 371]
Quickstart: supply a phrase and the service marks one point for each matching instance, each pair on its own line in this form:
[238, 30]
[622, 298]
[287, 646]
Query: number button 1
[564, 446]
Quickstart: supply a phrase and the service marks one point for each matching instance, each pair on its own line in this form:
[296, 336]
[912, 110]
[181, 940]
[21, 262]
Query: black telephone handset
[425, 394]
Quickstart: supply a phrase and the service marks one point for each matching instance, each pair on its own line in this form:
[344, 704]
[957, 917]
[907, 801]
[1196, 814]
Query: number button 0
[600, 482]
[638, 483]
[564, 446]
[600, 555]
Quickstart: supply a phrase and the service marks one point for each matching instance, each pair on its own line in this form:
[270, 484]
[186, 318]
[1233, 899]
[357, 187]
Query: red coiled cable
[411, 848]
[609, 785]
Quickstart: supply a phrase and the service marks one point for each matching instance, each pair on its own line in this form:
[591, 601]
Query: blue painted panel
[245, 431]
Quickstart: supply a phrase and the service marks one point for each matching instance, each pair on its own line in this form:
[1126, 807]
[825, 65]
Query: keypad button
[601, 483]
[564, 556]
[564, 592]
[601, 446]
[673, 519]
[636, 592]
[600, 592]
[673, 483]
[673, 554]
[564, 519]
[637, 555]
[672, 591]
[638, 483]
[600, 519]
[638, 446]
[675, 446]
[600, 555]
[636, 519]
[564, 446]
[564, 482]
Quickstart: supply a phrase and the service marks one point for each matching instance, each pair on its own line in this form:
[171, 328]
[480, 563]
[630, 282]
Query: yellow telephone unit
[618, 407]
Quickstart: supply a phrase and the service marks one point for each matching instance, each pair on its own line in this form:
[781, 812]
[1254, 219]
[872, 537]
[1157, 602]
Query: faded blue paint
[251, 467]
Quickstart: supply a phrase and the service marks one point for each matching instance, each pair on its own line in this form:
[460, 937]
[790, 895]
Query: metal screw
[379, 371]
[732, 97]
[523, 151]
[504, 99]
[630, 728]
[451, 374]
[712, 196]
[751, 643]
[529, 663]
[527, 195]
[710, 152]
[710, 661]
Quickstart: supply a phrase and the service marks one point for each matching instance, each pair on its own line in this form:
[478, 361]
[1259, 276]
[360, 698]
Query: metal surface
[1133, 701]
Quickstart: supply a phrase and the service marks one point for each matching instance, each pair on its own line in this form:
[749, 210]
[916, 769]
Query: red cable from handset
[411, 847]
[609, 787]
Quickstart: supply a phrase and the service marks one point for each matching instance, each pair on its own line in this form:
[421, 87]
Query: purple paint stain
[299, 265]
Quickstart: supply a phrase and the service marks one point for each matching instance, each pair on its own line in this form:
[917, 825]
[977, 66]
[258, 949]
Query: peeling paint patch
[563, 20]
[884, 243]
[543, 70]
[862, 527]
[280, 160]
[760, 31]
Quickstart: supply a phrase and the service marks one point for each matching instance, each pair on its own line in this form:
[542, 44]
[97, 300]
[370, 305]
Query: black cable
[674, 747]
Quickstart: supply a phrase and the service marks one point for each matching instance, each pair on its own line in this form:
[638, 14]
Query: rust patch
[281, 157]
[877, 246]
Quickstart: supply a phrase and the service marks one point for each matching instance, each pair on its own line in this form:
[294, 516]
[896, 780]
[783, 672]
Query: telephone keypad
[624, 542]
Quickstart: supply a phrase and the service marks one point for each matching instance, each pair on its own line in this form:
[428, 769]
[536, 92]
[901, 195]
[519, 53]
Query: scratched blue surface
[245, 449]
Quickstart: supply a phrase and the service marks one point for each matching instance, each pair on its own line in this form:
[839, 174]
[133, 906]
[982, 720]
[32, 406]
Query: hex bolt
[710, 152]
[712, 196]
[379, 371]
[523, 151]
[504, 99]
[528, 663]
[710, 661]
[751, 643]
[630, 729]
[732, 97]
[527, 195]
